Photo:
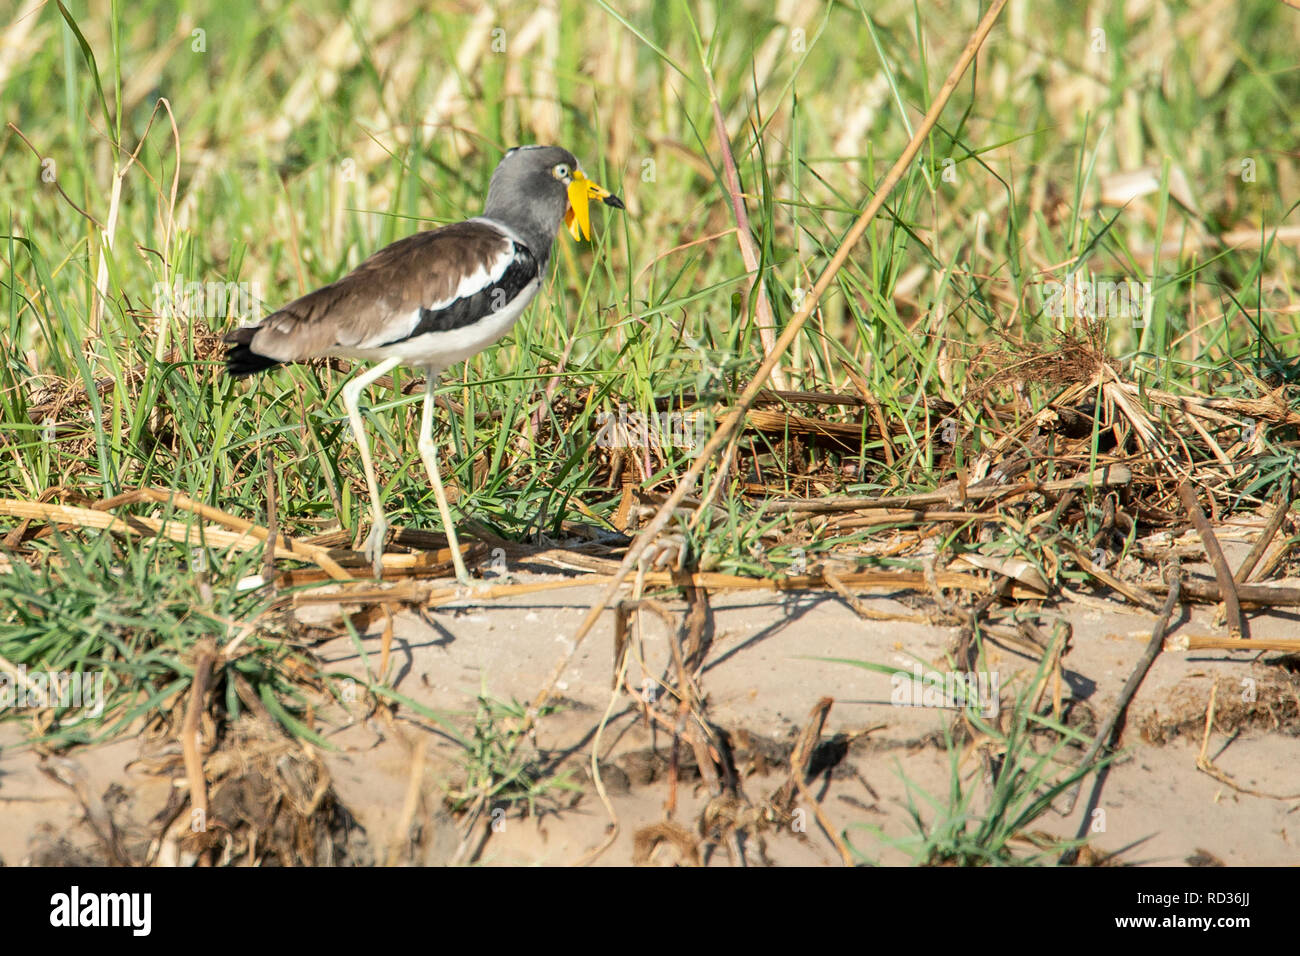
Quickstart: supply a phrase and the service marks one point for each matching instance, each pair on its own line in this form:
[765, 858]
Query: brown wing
[381, 300]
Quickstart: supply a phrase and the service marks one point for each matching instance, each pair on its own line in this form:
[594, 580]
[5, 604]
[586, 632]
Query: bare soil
[382, 795]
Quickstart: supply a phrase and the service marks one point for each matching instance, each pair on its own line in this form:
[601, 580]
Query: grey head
[529, 192]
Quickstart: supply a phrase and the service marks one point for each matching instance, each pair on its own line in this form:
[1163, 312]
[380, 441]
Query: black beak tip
[612, 200]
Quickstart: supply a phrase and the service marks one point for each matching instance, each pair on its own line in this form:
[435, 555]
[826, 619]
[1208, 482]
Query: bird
[431, 300]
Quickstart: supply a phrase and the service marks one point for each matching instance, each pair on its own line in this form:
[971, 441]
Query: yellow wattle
[578, 216]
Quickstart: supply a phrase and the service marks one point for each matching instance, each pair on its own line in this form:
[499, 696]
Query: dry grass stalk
[1249, 595]
[1257, 550]
[1131, 591]
[205, 657]
[1140, 669]
[1227, 586]
[1206, 765]
[244, 535]
[1105, 476]
[1195, 642]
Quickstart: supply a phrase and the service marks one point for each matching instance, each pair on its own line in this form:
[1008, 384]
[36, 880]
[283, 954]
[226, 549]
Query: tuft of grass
[968, 826]
[120, 621]
[502, 773]
[986, 815]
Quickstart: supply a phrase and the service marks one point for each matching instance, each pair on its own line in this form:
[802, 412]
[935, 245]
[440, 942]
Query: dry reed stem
[1227, 586]
[1140, 669]
[205, 657]
[243, 536]
[1274, 524]
[1210, 642]
[1103, 477]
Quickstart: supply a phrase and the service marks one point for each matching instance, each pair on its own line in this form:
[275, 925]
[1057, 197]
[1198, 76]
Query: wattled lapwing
[431, 300]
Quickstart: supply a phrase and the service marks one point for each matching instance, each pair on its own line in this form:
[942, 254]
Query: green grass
[307, 137]
[983, 822]
[501, 771]
[132, 616]
[985, 825]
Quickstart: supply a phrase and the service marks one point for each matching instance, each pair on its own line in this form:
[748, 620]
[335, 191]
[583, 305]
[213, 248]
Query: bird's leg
[429, 452]
[374, 547]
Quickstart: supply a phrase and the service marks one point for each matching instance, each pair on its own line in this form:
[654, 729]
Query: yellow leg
[429, 452]
[374, 546]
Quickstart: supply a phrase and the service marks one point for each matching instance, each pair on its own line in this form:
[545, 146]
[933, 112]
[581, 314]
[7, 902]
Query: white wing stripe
[480, 278]
[399, 327]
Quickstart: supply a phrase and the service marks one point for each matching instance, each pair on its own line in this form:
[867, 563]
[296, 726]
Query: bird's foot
[374, 546]
[464, 580]
[473, 587]
[458, 562]
[666, 551]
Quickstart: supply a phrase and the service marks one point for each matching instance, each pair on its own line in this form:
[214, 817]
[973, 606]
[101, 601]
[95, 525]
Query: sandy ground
[766, 668]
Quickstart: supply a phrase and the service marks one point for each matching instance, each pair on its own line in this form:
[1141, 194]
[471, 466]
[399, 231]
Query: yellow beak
[581, 192]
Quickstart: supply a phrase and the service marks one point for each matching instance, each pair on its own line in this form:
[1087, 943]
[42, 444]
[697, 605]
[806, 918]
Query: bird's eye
[561, 171]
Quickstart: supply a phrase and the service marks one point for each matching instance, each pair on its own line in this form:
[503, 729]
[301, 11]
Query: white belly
[440, 350]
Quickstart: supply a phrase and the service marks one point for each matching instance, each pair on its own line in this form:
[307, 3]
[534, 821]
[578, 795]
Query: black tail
[241, 360]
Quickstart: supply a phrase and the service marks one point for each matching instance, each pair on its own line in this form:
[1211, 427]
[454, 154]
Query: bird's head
[548, 178]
